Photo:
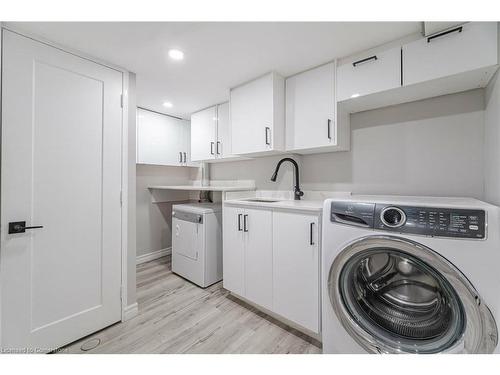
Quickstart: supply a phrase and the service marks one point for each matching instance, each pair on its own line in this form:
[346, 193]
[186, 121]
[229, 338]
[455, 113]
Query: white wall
[492, 142]
[430, 147]
[154, 220]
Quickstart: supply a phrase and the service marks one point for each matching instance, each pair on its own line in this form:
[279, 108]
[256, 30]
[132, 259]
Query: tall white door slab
[61, 168]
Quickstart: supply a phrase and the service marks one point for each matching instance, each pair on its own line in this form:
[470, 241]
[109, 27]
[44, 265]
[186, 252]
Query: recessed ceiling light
[176, 54]
[168, 104]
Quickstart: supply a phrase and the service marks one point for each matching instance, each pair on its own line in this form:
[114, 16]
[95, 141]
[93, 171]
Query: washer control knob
[393, 217]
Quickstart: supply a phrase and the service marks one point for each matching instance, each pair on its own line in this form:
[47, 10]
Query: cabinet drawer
[369, 74]
[460, 49]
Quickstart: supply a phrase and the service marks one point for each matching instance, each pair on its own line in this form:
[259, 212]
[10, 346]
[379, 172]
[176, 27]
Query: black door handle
[212, 148]
[268, 130]
[184, 157]
[217, 148]
[245, 227]
[329, 123]
[311, 240]
[435, 36]
[239, 222]
[20, 227]
[356, 63]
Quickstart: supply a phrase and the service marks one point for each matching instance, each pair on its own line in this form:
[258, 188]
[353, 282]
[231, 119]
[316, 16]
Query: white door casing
[61, 168]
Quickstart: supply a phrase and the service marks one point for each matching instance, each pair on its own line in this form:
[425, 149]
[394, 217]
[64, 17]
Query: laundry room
[270, 186]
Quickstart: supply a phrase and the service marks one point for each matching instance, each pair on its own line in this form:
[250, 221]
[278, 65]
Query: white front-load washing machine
[410, 275]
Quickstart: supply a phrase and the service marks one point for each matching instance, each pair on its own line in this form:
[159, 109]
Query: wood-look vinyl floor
[176, 316]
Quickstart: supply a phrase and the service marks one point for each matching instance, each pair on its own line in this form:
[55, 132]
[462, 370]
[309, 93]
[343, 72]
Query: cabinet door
[223, 146]
[310, 104]
[158, 138]
[296, 268]
[186, 145]
[203, 134]
[233, 256]
[252, 116]
[257, 226]
[369, 74]
[464, 48]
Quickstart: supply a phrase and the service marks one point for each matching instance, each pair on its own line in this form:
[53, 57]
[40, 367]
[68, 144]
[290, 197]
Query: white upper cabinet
[258, 116]
[457, 50]
[211, 134]
[204, 134]
[312, 122]
[162, 140]
[223, 145]
[368, 74]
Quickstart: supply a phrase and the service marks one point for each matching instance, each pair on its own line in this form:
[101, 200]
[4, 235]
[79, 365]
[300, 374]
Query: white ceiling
[217, 55]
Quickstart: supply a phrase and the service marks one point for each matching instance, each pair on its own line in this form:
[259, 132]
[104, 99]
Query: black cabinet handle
[180, 156]
[185, 158]
[239, 222]
[212, 148]
[374, 57]
[217, 148]
[268, 130]
[20, 227]
[311, 241]
[456, 29]
[245, 227]
[329, 129]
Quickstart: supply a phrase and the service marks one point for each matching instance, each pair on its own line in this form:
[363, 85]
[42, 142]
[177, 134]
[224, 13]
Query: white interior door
[61, 168]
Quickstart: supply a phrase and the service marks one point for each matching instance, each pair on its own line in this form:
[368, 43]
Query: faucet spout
[297, 193]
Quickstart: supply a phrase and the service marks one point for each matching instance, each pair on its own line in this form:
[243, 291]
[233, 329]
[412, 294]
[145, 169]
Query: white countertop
[202, 188]
[302, 205]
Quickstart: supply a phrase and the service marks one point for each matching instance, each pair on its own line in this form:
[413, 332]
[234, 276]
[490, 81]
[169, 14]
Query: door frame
[129, 307]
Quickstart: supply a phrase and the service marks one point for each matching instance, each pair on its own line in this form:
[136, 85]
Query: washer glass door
[392, 295]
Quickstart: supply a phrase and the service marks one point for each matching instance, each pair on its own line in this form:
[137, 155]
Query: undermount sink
[262, 200]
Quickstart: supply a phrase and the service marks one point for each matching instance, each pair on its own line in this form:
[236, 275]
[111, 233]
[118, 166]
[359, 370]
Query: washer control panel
[426, 221]
[431, 221]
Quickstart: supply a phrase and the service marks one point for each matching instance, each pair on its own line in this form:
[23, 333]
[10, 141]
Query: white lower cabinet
[296, 268]
[257, 228]
[271, 258]
[233, 260]
[247, 260]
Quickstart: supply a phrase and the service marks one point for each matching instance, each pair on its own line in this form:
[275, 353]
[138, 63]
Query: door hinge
[121, 100]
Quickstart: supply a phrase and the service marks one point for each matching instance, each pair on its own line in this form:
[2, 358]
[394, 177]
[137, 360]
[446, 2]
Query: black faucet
[296, 189]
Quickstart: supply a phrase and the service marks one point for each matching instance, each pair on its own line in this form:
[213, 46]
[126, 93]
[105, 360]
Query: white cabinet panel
[369, 74]
[257, 226]
[258, 116]
[158, 138]
[203, 134]
[465, 48]
[185, 145]
[312, 122]
[223, 146]
[162, 139]
[296, 268]
[233, 250]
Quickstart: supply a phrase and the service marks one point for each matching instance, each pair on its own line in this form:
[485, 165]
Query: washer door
[394, 295]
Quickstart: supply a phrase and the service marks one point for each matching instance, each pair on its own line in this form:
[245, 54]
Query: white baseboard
[154, 255]
[130, 311]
